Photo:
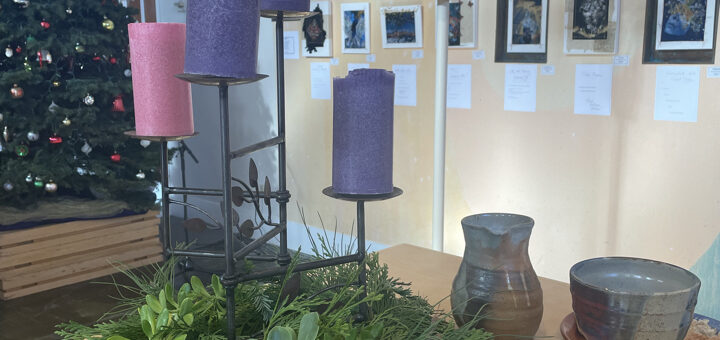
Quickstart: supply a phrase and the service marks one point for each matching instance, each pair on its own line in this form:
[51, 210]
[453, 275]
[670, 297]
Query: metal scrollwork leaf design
[195, 225]
[237, 196]
[267, 191]
[236, 218]
[247, 228]
[253, 174]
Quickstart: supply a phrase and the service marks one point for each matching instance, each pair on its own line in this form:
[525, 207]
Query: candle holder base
[210, 80]
[287, 15]
[330, 191]
[133, 134]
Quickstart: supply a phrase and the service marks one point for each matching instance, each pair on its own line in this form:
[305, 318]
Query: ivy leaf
[237, 196]
[253, 174]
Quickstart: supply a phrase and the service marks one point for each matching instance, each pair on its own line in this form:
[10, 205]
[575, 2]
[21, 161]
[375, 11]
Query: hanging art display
[401, 26]
[521, 34]
[592, 26]
[355, 27]
[680, 31]
[462, 32]
[317, 31]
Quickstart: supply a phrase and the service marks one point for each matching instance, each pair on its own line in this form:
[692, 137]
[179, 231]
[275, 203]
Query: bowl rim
[527, 221]
[574, 278]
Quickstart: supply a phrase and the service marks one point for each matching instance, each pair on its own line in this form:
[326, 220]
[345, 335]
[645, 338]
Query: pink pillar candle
[163, 104]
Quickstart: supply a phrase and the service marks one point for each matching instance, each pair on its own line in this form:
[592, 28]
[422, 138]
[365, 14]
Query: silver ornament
[33, 136]
[29, 178]
[68, 11]
[8, 186]
[2, 148]
[22, 3]
[86, 148]
[89, 100]
[51, 187]
[8, 52]
[1, 117]
[128, 73]
[66, 121]
[81, 171]
[53, 108]
[144, 143]
[140, 175]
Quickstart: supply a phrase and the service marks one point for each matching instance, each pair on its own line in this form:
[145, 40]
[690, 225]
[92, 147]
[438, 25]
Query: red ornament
[113, 60]
[96, 58]
[118, 105]
[115, 158]
[18, 49]
[55, 140]
[45, 24]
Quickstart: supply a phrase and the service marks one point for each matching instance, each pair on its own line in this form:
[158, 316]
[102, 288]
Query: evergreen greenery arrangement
[65, 102]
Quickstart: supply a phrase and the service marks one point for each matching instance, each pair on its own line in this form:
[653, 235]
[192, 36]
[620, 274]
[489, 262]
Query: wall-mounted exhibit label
[459, 86]
[370, 58]
[621, 60]
[520, 87]
[547, 70]
[418, 54]
[593, 89]
[676, 93]
[334, 61]
[713, 72]
[320, 80]
[290, 45]
[405, 85]
[478, 55]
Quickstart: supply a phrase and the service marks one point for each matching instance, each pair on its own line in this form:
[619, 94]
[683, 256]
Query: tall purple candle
[363, 132]
[285, 5]
[222, 38]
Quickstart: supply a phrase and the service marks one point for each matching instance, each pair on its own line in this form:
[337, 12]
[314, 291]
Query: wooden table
[431, 274]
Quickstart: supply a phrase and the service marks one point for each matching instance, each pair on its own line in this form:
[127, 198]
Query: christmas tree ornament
[140, 175]
[68, 11]
[1, 117]
[22, 3]
[38, 182]
[29, 178]
[116, 157]
[89, 100]
[8, 52]
[96, 58]
[8, 186]
[30, 39]
[113, 60]
[45, 24]
[44, 56]
[18, 49]
[55, 139]
[81, 171]
[66, 121]
[17, 91]
[33, 136]
[6, 134]
[86, 149]
[22, 150]
[118, 105]
[2, 147]
[56, 83]
[144, 143]
[53, 108]
[79, 48]
[50, 187]
[127, 73]
[108, 24]
[26, 65]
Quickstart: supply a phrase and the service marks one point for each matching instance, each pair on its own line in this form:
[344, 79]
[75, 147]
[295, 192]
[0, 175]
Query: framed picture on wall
[463, 24]
[592, 26]
[521, 34]
[355, 27]
[317, 31]
[401, 26]
[680, 31]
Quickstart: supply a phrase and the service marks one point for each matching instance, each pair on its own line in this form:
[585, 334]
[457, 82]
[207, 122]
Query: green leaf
[153, 303]
[163, 300]
[180, 337]
[198, 286]
[117, 337]
[163, 319]
[183, 292]
[169, 295]
[147, 328]
[217, 286]
[188, 318]
[309, 326]
[185, 307]
[281, 333]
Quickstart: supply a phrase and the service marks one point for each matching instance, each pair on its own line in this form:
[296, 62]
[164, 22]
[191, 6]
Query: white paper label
[547, 70]
[290, 45]
[405, 85]
[713, 72]
[320, 80]
[621, 60]
[334, 61]
[370, 58]
[478, 55]
[418, 54]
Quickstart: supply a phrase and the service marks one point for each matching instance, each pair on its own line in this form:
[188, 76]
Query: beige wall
[619, 185]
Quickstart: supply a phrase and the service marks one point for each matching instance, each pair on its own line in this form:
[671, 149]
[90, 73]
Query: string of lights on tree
[66, 73]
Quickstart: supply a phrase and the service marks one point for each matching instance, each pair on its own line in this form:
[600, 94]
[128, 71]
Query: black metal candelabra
[250, 192]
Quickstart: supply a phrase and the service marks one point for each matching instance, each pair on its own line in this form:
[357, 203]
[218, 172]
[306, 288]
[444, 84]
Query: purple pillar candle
[222, 38]
[285, 5]
[363, 132]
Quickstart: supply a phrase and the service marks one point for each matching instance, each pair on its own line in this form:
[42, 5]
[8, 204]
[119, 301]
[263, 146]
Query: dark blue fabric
[28, 225]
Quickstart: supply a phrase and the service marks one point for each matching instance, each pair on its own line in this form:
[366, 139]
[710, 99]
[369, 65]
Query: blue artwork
[684, 20]
[400, 27]
[455, 24]
[527, 22]
[354, 29]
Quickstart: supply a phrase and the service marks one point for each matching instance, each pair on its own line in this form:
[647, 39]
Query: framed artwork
[317, 31]
[355, 27]
[521, 34]
[463, 24]
[592, 26]
[401, 26]
[680, 31]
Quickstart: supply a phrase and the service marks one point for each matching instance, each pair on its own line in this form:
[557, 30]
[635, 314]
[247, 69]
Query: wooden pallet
[52, 256]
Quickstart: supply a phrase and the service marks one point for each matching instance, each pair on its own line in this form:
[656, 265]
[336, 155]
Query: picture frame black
[653, 56]
[501, 33]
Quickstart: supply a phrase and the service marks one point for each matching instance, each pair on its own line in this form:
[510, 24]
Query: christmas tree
[65, 103]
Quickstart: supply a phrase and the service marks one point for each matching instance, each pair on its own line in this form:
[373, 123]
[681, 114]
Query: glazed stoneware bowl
[630, 298]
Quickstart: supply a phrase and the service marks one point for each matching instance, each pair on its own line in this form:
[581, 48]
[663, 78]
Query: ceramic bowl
[630, 298]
